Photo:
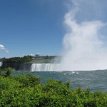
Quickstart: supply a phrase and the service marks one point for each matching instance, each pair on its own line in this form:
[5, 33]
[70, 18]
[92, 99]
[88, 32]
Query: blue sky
[37, 26]
[31, 26]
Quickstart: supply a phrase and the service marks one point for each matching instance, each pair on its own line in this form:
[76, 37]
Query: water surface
[95, 80]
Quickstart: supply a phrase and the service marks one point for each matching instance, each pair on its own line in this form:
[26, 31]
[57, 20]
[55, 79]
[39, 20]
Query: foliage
[28, 80]
[6, 71]
[27, 91]
[15, 62]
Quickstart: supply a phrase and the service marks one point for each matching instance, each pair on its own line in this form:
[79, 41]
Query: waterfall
[44, 67]
[0, 64]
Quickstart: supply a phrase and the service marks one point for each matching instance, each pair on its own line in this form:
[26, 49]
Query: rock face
[25, 67]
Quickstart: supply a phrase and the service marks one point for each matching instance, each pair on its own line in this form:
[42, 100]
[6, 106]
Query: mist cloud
[83, 47]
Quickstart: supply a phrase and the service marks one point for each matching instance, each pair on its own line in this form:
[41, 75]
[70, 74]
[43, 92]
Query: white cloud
[3, 48]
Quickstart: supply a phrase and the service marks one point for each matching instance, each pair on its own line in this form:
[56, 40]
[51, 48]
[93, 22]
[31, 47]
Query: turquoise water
[95, 80]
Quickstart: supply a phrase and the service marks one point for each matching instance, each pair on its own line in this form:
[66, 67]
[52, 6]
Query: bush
[27, 91]
[8, 83]
[6, 71]
[55, 86]
[28, 80]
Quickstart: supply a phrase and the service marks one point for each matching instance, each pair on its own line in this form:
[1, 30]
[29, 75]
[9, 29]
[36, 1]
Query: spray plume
[83, 47]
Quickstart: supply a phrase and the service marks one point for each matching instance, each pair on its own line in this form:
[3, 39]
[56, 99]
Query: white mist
[83, 47]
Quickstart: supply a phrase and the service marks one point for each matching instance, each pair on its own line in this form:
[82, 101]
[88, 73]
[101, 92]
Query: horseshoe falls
[44, 67]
